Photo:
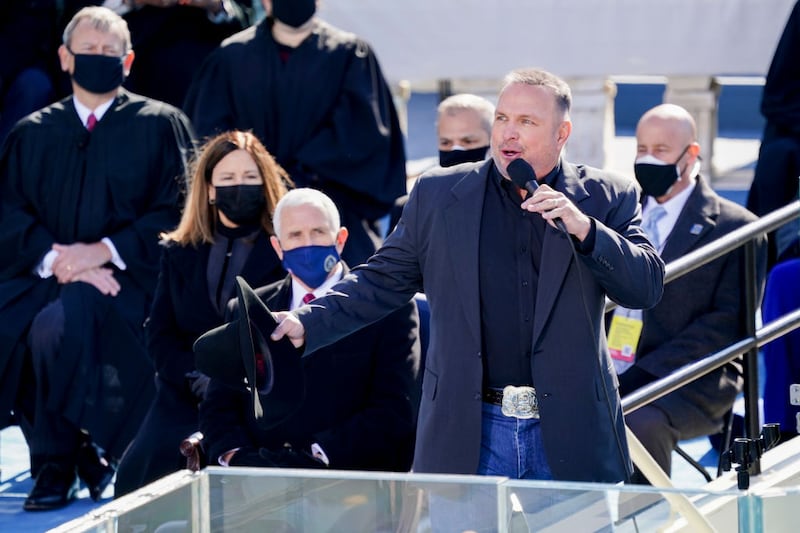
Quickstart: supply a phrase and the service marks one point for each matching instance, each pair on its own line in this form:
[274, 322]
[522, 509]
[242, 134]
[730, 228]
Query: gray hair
[469, 102]
[102, 19]
[307, 196]
[535, 76]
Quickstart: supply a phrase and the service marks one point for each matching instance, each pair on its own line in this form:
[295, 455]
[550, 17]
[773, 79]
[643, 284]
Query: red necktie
[91, 122]
[308, 297]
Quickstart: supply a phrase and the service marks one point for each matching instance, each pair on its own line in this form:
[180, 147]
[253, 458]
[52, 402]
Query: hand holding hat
[241, 354]
[290, 327]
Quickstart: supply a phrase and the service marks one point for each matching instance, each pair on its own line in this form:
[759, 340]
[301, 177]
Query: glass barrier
[178, 502]
[295, 501]
[775, 510]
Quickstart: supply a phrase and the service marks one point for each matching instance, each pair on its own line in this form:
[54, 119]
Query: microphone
[522, 174]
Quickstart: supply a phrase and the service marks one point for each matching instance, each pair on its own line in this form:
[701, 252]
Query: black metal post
[751, 422]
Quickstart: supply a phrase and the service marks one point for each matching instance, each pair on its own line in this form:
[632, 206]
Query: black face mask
[293, 13]
[242, 204]
[98, 74]
[656, 179]
[455, 157]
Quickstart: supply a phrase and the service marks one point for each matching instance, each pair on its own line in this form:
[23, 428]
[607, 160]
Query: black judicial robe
[327, 114]
[775, 183]
[27, 28]
[61, 184]
[780, 103]
[170, 44]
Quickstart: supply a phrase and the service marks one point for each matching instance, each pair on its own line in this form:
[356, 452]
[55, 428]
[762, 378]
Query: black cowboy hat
[241, 354]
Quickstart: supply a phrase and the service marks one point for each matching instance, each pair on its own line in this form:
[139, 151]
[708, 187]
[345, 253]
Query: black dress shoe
[55, 486]
[95, 468]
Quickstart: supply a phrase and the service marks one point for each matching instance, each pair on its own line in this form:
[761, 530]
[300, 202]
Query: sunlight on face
[529, 125]
[236, 168]
[305, 225]
[461, 128]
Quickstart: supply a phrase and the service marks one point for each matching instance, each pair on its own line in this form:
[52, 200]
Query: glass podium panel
[317, 501]
[175, 503]
[549, 506]
[776, 510]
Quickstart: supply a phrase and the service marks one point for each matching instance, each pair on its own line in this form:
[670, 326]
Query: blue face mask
[311, 264]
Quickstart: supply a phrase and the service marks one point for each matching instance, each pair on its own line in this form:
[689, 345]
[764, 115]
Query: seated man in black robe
[86, 186]
[359, 410]
[317, 99]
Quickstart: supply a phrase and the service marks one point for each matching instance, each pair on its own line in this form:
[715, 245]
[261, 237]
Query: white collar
[298, 290]
[84, 112]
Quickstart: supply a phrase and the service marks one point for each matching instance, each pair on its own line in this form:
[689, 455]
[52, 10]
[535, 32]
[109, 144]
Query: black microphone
[522, 175]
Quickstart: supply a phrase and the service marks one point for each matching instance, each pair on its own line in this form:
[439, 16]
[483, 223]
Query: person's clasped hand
[73, 259]
[198, 383]
[101, 279]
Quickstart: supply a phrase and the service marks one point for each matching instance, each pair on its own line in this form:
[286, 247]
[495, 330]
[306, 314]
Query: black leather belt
[493, 396]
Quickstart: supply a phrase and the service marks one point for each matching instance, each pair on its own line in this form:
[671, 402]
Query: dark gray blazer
[434, 249]
[700, 313]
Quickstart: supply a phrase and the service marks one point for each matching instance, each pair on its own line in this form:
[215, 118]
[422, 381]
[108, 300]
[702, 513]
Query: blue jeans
[511, 447]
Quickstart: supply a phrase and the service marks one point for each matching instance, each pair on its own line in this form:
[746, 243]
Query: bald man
[701, 312]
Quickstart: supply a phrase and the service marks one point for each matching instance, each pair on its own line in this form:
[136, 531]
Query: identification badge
[624, 333]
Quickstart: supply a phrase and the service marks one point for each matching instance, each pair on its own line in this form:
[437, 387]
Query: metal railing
[754, 339]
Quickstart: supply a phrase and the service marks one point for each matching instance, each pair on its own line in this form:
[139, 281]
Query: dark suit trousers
[652, 427]
[52, 437]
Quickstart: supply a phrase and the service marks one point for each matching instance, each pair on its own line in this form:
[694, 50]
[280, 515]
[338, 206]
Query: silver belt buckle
[520, 402]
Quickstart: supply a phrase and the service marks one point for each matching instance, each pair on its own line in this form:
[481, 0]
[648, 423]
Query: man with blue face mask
[86, 185]
[362, 392]
[700, 312]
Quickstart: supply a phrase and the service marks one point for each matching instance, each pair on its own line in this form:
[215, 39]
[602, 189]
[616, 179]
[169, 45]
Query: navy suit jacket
[434, 249]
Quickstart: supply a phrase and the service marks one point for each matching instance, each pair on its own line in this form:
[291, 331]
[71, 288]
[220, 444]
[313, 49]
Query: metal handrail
[727, 243]
[692, 371]
[748, 346]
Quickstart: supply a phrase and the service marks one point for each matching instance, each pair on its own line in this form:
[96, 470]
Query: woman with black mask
[223, 233]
